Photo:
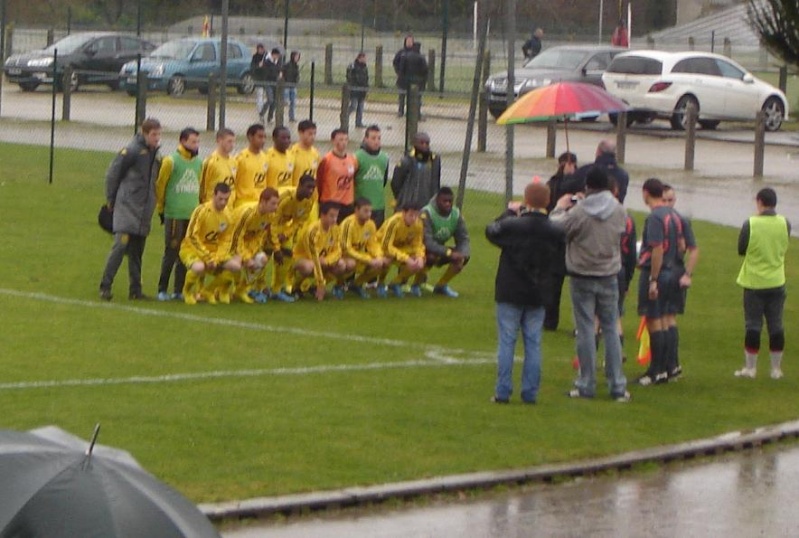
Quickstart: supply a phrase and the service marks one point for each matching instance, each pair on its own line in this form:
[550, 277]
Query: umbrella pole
[94, 440]
[566, 126]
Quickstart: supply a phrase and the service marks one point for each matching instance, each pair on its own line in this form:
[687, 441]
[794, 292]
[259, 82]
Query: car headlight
[41, 62]
[155, 70]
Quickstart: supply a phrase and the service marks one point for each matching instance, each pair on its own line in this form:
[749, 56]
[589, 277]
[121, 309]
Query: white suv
[662, 84]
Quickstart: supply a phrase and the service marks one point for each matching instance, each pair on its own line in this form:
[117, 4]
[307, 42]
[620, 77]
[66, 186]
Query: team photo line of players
[318, 220]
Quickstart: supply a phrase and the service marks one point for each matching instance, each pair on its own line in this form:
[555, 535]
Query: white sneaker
[776, 373]
[746, 372]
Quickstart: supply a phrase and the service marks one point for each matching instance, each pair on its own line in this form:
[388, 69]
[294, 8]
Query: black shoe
[498, 400]
[138, 296]
[106, 295]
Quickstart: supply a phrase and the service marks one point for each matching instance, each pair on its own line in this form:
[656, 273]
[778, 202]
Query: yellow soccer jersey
[251, 170]
[217, 169]
[319, 246]
[209, 234]
[290, 217]
[250, 228]
[306, 161]
[280, 168]
[400, 241]
[359, 241]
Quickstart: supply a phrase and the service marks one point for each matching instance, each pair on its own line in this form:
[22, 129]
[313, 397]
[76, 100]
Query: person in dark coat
[606, 160]
[130, 195]
[532, 47]
[530, 249]
[407, 46]
[358, 81]
[291, 76]
[417, 177]
[413, 72]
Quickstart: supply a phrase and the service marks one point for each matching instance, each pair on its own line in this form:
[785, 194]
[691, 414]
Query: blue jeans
[511, 318]
[597, 297]
[356, 104]
[290, 97]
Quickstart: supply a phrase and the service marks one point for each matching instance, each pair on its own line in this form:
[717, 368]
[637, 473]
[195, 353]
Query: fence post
[344, 116]
[329, 64]
[50, 36]
[280, 102]
[482, 111]
[691, 43]
[431, 70]
[621, 136]
[379, 67]
[690, 136]
[412, 119]
[66, 104]
[727, 47]
[760, 143]
[650, 42]
[141, 97]
[783, 78]
[9, 42]
[210, 117]
[313, 86]
[552, 129]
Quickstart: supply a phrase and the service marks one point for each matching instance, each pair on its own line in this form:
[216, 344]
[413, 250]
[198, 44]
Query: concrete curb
[349, 497]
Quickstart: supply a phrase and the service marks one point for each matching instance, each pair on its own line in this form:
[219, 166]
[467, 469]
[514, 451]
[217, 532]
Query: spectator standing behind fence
[265, 71]
[417, 177]
[620, 38]
[532, 46]
[413, 72]
[407, 46]
[291, 76]
[358, 81]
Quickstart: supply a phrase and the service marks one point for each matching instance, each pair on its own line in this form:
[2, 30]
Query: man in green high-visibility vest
[763, 242]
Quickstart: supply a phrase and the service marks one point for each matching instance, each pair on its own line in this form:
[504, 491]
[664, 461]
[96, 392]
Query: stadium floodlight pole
[223, 62]
[510, 8]
[444, 33]
[286, 28]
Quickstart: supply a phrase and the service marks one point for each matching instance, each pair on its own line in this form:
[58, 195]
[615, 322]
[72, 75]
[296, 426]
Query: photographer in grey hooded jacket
[593, 225]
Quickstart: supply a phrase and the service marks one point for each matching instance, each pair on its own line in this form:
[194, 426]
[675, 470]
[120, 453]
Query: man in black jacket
[407, 46]
[606, 160]
[266, 70]
[291, 76]
[413, 72]
[530, 249]
[358, 82]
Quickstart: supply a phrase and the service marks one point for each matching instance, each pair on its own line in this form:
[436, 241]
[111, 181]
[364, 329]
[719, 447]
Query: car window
[128, 43]
[234, 51]
[729, 71]
[104, 45]
[176, 50]
[69, 44]
[684, 66]
[557, 59]
[599, 62]
[635, 65]
[205, 53]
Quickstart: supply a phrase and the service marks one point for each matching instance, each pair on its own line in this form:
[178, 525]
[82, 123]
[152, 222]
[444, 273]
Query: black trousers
[174, 232]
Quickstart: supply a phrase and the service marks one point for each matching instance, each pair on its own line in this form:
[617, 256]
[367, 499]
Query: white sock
[751, 360]
[776, 359]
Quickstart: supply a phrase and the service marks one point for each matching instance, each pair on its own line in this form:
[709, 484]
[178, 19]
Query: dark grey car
[573, 63]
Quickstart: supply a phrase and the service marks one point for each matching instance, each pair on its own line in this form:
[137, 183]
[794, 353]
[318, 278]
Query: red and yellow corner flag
[644, 351]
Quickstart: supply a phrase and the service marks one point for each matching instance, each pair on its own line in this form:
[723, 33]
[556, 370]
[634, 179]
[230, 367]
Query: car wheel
[774, 111]
[73, 81]
[176, 86]
[679, 121]
[28, 86]
[247, 84]
[614, 118]
[709, 125]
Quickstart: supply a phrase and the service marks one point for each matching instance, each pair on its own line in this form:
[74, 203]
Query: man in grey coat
[417, 177]
[130, 195]
[593, 229]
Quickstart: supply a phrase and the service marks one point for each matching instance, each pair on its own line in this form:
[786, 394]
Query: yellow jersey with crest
[320, 246]
[250, 229]
[251, 170]
[218, 169]
[291, 215]
[400, 241]
[359, 241]
[280, 168]
[208, 237]
[306, 161]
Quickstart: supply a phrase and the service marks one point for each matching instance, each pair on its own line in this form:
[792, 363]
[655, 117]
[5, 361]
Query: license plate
[15, 71]
[626, 85]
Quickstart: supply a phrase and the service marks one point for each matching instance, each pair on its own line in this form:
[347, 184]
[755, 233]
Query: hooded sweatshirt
[593, 230]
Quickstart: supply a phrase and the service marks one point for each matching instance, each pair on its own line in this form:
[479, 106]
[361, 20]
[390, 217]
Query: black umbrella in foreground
[53, 484]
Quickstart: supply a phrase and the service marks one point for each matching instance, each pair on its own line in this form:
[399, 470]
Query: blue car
[183, 64]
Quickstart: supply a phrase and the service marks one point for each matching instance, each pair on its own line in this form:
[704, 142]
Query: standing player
[686, 268]
[293, 213]
[360, 249]
[763, 242]
[317, 253]
[402, 240]
[130, 195]
[443, 222]
[335, 175]
[206, 250]
[176, 195]
[251, 225]
[372, 174]
[251, 166]
[279, 160]
[219, 167]
[306, 156]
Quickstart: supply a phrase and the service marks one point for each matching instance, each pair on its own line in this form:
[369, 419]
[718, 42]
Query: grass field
[239, 401]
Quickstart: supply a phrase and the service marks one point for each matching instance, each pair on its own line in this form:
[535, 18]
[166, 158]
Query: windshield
[557, 59]
[69, 44]
[175, 50]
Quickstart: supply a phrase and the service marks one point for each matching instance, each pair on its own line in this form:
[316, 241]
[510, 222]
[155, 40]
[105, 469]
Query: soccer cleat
[396, 289]
[176, 296]
[623, 398]
[662, 377]
[776, 373]
[575, 393]
[746, 372]
[429, 288]
[645, 380]
[446, 291]
[416, 290]
[381, 291]
[338, 292]
[106, 295]
[498, 400]
[163, 296]
[138, 296]
[283, 296]
[675, 374]
[259, 297]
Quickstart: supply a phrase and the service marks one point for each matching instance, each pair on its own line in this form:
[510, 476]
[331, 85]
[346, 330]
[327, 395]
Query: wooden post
[760, 143]
[727, 47]
[344, 113]
[141, 87]
[621, 136]
[690, 136]
[691, 43]
[431, 70]
[379, 67]
[482, 111]
[329, 64]
[210, 116]
[412, 115]
[552, 138]
[66, 104]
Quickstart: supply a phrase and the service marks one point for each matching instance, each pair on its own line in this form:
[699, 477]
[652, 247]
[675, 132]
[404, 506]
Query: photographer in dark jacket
[407, 46]
[413, 72]
[291, 76]
[358, 81]
[530, 253]
[606, 160]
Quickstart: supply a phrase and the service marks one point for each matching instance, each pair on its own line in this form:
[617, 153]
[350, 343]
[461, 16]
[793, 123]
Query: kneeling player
[443, 222]
[206, 249]
[402, 241]
[250, 231]
[360, 249]
[317, 252]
